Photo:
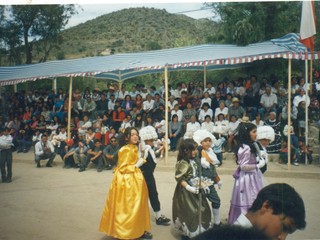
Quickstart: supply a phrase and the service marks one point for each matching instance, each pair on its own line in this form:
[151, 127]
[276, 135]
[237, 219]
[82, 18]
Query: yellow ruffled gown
[126, 212]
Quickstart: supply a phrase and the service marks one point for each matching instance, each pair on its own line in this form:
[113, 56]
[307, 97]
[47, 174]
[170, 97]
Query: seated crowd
[98, 116]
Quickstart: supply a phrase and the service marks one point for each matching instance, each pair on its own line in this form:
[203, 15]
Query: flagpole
[306, 108]
[289, 114]
[311, 75]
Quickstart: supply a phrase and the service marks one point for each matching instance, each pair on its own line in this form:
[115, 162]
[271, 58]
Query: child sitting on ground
[303, 150]
[284, 153]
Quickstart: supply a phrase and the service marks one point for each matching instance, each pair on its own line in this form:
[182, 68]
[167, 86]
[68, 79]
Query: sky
[90, 9]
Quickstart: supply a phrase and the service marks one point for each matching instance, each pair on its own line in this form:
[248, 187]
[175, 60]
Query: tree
[1, 19]
[248, 22]
[12, 37]
[152, 45]
[49, 24]
[40, 23]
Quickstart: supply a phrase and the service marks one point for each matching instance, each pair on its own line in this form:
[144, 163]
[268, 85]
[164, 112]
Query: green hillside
[132, 30]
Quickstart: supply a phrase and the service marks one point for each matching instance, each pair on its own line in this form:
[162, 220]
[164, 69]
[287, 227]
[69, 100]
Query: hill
[132, 30]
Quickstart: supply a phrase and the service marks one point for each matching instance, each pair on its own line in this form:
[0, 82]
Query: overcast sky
[98, 7]
[91, 11]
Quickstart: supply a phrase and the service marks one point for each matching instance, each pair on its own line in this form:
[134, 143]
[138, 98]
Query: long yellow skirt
[126, 212]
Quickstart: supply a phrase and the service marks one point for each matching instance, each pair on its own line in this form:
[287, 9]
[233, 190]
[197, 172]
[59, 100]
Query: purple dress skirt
[248, 182]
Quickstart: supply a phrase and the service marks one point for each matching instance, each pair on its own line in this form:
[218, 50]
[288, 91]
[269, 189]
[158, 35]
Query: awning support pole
[69, 109]
[166, 112]
[289, 114]
[54, 85]
[204, 76]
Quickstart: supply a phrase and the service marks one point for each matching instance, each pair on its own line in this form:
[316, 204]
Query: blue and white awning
[120, 67]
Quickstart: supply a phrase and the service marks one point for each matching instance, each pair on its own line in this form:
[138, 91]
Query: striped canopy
[120, 67]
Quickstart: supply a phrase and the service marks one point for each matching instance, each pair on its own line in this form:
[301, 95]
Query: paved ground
[63, 204]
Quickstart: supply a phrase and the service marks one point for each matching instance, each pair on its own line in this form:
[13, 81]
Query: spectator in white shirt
[111, 103]
[268, 102]
[301, 97]
[210, 89]
[204, 112]
[172, 102]
[221, 109]
[144, 93]
[160, 126]
[44, 150]
[207, 124]
[148, 104]
[84, 125]
[123, 92]
[177, 92]
[192, 127]
[258, 122]
[206, 99]
[303, 84]
[221, 125]
[178, 112]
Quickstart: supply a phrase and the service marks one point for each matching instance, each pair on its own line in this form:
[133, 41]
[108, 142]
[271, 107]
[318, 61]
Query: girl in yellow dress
[126, 212]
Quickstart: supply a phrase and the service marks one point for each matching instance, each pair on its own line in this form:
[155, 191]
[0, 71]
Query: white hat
[202, 134]
[265, 132]
[148, 133]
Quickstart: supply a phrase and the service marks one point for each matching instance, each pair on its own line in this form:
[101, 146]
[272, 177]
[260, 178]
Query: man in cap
[236, 109]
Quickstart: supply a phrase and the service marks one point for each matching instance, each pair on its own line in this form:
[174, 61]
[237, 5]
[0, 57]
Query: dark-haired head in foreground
[231, 232]
[277, 211]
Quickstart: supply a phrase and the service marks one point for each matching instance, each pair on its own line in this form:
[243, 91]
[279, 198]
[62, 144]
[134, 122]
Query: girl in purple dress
[248, 178]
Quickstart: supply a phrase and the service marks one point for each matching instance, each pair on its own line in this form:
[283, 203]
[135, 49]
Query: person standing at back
[6, 155]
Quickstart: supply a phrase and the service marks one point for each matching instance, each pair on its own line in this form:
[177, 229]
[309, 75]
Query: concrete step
[310, 171]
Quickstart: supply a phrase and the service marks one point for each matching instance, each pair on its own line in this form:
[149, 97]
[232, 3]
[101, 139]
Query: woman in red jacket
[118, 117]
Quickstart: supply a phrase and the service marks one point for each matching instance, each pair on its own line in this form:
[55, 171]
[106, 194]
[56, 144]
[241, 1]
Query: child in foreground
[186, 199]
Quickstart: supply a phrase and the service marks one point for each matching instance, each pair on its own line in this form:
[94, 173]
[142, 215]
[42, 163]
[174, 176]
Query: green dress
[185, 206]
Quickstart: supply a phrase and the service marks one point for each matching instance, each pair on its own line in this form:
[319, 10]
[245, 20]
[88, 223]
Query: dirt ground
[63, 204]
